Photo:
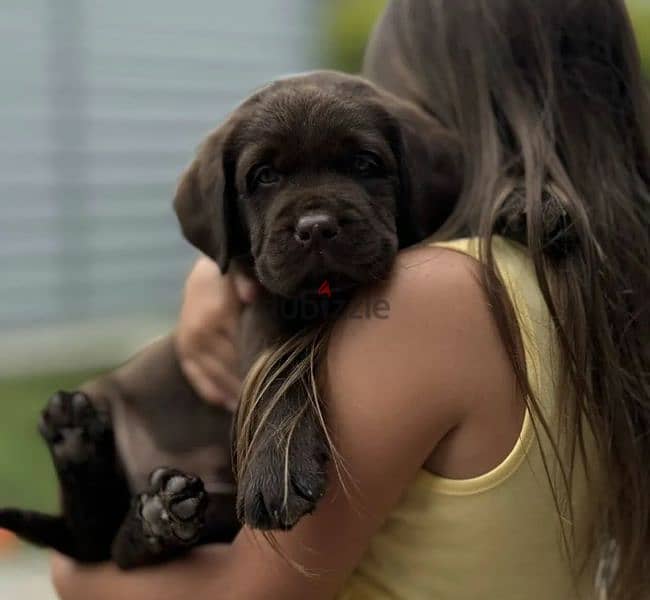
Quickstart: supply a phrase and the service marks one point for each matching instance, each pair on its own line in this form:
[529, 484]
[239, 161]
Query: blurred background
[102, 105]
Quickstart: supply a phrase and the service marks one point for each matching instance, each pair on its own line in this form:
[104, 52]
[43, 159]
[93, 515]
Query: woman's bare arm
[394, 388]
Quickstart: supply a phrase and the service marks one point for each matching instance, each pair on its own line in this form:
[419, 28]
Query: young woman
[495, 427]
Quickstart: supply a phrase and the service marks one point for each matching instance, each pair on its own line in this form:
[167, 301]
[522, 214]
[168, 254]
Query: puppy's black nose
[316, 228]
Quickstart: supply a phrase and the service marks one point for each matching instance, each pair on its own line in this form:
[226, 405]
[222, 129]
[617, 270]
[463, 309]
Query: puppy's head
[318, 177]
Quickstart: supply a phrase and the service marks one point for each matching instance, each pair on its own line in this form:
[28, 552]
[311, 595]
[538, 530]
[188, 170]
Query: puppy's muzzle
[316, 231]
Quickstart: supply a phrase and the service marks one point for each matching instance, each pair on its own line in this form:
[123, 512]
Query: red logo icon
[324, 289]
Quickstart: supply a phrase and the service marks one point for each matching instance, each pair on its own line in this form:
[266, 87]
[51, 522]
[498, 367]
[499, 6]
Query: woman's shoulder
[433, 297]
[427, 333]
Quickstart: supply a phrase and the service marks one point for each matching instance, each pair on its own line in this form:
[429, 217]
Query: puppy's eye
[366, 164]
[263, 175]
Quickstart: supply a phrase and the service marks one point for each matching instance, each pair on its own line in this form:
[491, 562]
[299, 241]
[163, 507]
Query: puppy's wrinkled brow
[288, 155]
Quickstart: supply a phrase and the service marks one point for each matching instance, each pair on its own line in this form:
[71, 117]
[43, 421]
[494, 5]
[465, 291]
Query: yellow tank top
[497, 536]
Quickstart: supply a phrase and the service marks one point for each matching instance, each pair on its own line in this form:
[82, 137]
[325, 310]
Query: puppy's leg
[165, 521]
[37, 528]
[221, 523]
[94, 493]
[286, 474]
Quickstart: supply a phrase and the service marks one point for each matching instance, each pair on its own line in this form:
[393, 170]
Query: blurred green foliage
[27, 477]
[640, 13]
[349, 22]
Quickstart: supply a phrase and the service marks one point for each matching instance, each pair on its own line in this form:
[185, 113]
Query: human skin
[207, 331]
[397, 391]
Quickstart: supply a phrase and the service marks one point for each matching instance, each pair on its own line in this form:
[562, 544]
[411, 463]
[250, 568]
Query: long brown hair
[549, 95]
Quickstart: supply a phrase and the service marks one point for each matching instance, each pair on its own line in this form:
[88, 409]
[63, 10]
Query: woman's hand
[207, 331]
[68, 577]
[200, 575]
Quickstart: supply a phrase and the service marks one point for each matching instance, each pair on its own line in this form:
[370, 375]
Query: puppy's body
[147, 399]
[314, 178]
[158, 419]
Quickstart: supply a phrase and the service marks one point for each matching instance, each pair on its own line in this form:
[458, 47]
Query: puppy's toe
[310, 486]
[185, 510]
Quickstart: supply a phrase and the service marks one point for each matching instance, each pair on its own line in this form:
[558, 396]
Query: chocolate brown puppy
[321, 175]
[314, 178]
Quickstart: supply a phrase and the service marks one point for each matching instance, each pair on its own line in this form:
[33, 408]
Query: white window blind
[103, 104]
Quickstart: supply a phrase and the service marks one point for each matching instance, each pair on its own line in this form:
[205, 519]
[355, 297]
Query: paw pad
[174, 507]
[73, 427]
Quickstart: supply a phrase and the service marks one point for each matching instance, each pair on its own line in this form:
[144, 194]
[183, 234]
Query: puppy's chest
[191, 442]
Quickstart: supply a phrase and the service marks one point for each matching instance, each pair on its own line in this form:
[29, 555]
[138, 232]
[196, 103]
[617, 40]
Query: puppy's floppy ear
[431, 177]
[206, 201]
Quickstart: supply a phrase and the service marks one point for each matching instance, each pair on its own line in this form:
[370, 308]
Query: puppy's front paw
[282, 485]
[74, 430]
[173, 510]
